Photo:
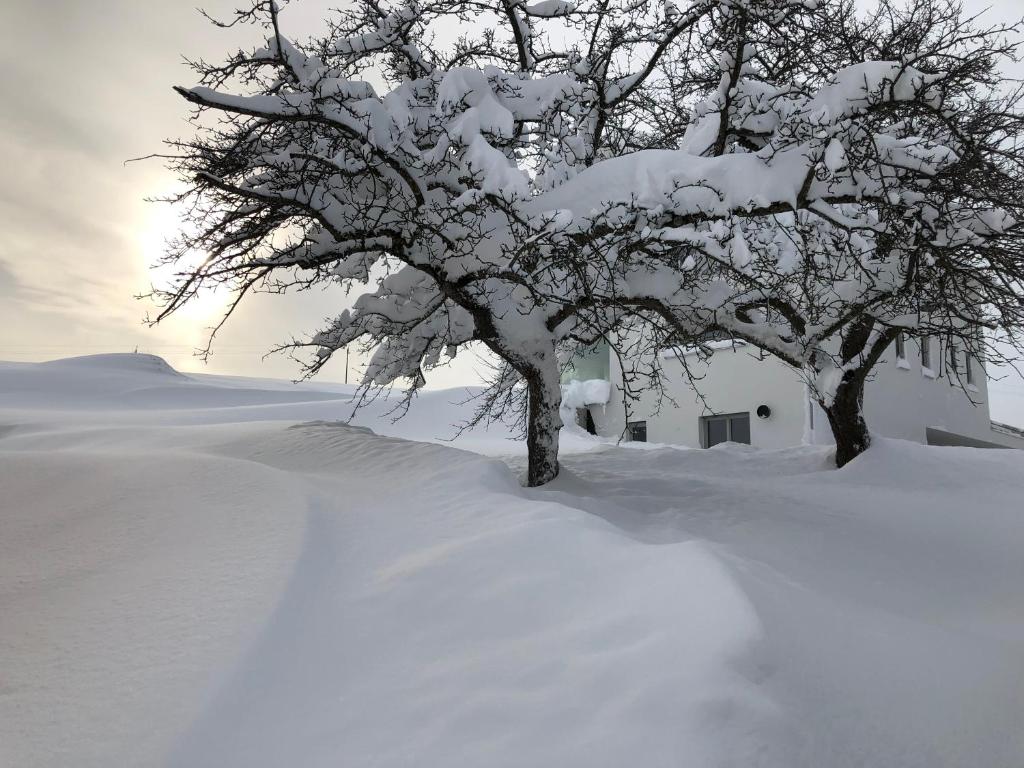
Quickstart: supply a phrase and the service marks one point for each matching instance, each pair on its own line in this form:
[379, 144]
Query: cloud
[87, 85]
[78, 236]
[8, 283]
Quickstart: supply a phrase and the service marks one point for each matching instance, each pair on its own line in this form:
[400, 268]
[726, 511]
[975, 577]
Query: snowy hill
[206, 571]
[136, 388]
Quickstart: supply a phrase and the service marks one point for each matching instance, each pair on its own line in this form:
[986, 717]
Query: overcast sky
[87, 85]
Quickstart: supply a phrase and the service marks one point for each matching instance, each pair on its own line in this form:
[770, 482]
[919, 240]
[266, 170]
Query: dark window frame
[926, 352]
[633, 427]
[728, 418]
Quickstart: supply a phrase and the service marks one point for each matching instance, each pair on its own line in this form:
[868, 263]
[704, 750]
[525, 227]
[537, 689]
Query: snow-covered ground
[204, 571]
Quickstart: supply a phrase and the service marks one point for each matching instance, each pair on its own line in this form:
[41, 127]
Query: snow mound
[579, 394]
[143, 389]
[888, 591]
[195, 585]
[128, 361]
[262, 595]
[896, 463]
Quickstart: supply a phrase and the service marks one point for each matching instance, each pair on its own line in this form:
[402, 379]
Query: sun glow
[160, 228]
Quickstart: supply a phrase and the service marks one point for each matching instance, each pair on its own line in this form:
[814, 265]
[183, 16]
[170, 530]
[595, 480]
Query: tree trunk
[846, 417]
[543, 423]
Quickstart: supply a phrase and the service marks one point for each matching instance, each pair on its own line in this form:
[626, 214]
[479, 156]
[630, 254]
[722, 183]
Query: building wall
[902, 400]
[734, 380]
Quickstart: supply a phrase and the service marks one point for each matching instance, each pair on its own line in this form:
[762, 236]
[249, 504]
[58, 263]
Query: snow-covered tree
[889, 149]
[398, 154]
[522, 175]
[405, 165]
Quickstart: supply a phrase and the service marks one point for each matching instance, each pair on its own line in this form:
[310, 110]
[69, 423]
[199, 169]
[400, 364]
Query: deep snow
[198, 570]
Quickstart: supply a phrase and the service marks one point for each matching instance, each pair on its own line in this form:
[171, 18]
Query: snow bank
[218, 586]
[258, 594]
[474, 627]
[129, 579]
[136, 362]
[130, 389]
[889, 591]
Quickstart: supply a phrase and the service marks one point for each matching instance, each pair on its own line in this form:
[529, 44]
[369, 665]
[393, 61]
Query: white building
[749, 397]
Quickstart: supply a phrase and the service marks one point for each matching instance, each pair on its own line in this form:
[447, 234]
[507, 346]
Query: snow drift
[187, 581]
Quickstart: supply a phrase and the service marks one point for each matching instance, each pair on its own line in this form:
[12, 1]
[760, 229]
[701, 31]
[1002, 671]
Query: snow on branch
[783, 170]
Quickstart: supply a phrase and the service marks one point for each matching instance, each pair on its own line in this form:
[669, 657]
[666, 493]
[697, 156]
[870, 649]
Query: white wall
[900, 401]
[904, 400]
[733, 381]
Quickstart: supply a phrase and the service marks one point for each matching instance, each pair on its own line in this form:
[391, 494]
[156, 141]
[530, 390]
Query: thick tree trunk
[846, 417]
[543, 423]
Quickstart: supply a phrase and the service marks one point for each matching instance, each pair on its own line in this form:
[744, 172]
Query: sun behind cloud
[161, 226]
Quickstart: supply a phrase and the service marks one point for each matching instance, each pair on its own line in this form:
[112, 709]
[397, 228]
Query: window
[716, 431]
[953, 355]
[926, 352]
[592, 362]
[901, 347]
[739, 429]
[733, 427]
[968, 368]
[636, 431]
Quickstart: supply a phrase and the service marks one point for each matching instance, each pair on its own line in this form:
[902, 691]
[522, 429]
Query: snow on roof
[1007, 429]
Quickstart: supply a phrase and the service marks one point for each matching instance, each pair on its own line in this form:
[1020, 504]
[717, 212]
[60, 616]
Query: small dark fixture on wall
[764, 412]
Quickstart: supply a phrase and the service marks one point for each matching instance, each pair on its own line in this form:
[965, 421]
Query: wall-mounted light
[764, 412]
